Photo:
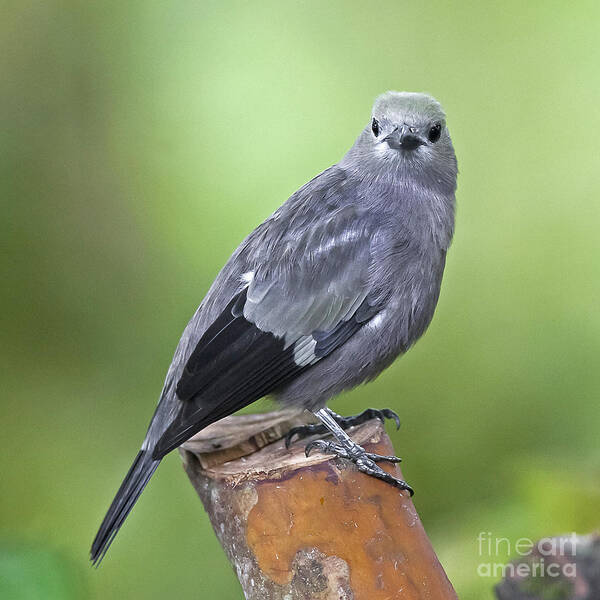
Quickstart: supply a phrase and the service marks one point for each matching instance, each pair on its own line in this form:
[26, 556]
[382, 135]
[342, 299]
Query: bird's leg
[344, 422]
[365, 462]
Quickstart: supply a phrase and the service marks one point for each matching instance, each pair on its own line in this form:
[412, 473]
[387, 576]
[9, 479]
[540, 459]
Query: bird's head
[407, 137]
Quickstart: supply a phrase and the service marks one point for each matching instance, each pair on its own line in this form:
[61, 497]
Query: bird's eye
[375, 127]
[435, 132]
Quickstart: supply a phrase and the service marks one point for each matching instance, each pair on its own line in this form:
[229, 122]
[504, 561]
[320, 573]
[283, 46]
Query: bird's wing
[309, 292]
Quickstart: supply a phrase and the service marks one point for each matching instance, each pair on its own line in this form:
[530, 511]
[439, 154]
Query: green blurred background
[141, 141]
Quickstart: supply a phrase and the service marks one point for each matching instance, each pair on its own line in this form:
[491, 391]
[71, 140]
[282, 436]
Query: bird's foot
[344, 422]
[366, 462]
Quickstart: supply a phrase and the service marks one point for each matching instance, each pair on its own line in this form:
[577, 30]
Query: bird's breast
[415, 291]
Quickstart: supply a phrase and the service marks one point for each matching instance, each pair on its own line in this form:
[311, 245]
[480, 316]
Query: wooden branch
[297, 528]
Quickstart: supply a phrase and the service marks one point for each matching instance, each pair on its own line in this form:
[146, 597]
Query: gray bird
[319, 298]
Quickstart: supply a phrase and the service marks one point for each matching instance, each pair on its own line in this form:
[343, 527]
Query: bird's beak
[404, 138]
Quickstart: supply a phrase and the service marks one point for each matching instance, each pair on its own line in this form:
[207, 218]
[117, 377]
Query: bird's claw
[303, 431]
[326, 447]
[344, 422]
[366, 462]
[355, 455]
[374, 413]
[388, 413]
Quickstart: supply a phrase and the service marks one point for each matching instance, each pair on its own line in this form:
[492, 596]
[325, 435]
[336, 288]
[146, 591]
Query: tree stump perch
[297, 528]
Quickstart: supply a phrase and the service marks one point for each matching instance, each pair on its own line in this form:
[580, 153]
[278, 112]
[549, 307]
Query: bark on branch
[297, 528]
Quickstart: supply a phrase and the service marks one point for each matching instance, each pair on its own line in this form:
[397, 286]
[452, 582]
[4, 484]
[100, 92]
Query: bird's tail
[134, 483]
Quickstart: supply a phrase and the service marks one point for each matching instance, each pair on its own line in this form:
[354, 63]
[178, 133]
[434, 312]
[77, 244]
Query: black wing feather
[226, 328]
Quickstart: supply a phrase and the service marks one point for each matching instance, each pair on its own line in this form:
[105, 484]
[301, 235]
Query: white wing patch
[304, 351]
[247, 277]
[376, 321]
